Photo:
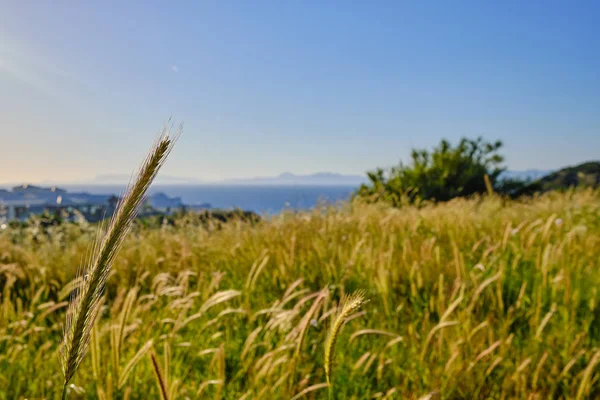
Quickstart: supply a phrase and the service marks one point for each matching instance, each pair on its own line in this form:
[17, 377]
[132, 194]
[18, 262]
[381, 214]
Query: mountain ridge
[586, 174]
[318, 178]
[284, 178]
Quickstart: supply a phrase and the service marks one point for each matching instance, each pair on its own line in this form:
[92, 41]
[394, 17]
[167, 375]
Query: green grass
[481, 298]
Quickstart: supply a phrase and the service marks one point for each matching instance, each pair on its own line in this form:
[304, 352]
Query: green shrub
[442, 174]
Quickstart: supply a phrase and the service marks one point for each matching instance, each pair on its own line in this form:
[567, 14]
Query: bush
[442, 174]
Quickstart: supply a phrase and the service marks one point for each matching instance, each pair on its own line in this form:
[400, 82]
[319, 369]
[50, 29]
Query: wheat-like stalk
[160, 377]
[85, 304]
[347, 306]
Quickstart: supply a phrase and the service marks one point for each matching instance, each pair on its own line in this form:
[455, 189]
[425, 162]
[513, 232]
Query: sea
[262, 199]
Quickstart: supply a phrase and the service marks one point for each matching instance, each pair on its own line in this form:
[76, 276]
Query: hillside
[586, 174]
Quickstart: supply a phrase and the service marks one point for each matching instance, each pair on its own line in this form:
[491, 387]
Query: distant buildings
[23, 201]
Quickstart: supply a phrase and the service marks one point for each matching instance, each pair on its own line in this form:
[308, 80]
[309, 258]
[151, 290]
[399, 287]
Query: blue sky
[265, 87]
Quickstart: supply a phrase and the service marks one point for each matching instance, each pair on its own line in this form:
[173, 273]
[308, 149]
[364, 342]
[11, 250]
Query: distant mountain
[288, 178]
[118, 179]
[586, 174]
[526, 175]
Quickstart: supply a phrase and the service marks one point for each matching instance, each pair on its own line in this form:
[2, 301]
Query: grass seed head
[347, 306]
[85, 302]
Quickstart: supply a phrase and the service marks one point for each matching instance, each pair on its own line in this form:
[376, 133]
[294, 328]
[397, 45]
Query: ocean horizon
[264, 199]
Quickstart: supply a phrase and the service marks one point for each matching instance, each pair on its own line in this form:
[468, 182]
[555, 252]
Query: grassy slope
[489, 299]
[586, 175]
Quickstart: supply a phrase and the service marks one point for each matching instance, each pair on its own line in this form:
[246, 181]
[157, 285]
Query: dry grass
[160, 378]
[474, 298]
[347, 306]
[86, 298]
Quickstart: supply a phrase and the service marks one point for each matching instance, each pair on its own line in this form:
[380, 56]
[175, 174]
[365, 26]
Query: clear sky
[303, 86]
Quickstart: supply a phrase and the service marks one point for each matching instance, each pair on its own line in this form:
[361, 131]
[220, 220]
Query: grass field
[480, 298]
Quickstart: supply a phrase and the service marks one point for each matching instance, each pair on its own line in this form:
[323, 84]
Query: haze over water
[259, 198]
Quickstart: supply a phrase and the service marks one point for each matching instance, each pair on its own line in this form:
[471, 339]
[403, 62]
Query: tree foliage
[441, 174]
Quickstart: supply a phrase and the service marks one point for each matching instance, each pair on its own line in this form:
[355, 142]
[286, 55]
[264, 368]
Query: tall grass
[480, 298]
[347, 306]
[85, 303]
